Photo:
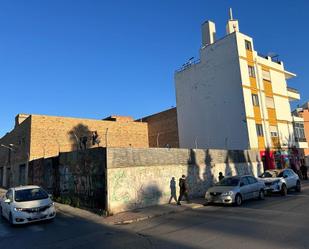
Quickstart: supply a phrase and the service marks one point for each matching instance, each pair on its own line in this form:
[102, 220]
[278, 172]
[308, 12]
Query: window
[255, 100]
[248, 45]
[273, 131]
[9, 195]
[252, 180]
[259, 130]
[251, 71]
[266, 75]
[299, 132]
[270, 102]
[244, 181]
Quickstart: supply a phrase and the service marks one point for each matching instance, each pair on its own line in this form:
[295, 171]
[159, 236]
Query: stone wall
[142, 177]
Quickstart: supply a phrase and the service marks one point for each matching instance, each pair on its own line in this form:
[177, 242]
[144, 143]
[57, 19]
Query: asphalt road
[277, 222]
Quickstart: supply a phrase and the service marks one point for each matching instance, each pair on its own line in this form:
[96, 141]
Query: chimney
[20, 118]
[232, 25]
[208, 33]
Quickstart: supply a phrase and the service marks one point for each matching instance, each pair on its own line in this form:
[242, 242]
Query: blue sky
[93, 59]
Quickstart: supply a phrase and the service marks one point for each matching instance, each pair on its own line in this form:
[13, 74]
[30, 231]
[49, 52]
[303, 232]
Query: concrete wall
[141, 177]
[163, 129]
[210, 102]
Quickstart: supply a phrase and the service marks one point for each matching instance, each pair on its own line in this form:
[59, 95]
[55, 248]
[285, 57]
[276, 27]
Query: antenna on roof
[231, 14]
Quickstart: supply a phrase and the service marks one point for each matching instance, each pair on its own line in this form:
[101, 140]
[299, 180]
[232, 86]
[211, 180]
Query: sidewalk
[126, 217]
[133, 215]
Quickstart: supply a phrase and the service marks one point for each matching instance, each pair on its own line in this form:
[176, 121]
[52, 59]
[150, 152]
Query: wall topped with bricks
[40, 136]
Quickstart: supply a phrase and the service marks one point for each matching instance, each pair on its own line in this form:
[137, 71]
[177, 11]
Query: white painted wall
[283, 108]
[252, 133]
[286, 134]
[210, 102]
[248, 102]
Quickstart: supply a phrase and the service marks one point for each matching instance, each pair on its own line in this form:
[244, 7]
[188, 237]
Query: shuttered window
[270, 102]
[266, 75]
[273, 131]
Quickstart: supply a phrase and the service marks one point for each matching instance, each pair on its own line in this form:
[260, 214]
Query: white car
[280, 181]
[27, 204]
[235, 189]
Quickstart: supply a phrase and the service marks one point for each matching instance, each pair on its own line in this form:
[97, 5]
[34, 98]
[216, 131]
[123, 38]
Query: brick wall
[39, 136]
[10, 160]
[51, 135]
[163, 129]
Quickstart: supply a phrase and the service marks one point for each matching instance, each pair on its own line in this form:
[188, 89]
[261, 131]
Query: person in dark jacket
[303, 169]
[221, 176]
[183, 189]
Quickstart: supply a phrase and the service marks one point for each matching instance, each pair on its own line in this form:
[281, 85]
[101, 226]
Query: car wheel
[262, 194]
[298, 186]
[284, 190]
[238, 200]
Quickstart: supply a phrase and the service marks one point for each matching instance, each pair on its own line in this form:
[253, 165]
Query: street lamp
[13, 147]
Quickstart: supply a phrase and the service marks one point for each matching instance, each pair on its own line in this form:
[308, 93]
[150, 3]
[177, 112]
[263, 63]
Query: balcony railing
[300, 139]
[273, 58]
[188, 64]
[291, 89]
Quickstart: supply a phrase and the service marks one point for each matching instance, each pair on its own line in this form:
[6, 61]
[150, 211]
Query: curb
[130, 221]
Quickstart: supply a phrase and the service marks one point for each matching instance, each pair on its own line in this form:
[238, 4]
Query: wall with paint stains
[77, 178]
[143, 177]
[82, 178]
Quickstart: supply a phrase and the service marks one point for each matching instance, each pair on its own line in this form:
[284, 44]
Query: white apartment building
[235, 98]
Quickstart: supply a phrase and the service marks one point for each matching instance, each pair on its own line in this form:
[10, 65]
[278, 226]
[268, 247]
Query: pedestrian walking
[183, 192]
[303, 169]
[221, 176]
[173, 190]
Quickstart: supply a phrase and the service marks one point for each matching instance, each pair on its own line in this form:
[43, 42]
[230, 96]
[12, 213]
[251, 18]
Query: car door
[244, 188]
[293, 178]
[254, 187]
[7, 206]
[288, 179]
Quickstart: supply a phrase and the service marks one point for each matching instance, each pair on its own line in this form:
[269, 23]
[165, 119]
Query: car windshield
[268, 174]
[229, 181]
[282, 173]
[30, 194]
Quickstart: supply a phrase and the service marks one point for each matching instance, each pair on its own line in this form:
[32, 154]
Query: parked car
[235, 189]
[27, 204]
[280, 181]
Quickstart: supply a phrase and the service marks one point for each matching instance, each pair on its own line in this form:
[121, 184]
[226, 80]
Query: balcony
[301, 143]
[293, 94]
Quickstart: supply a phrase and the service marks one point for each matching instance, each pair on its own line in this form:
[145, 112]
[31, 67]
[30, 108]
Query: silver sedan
[235, 189]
